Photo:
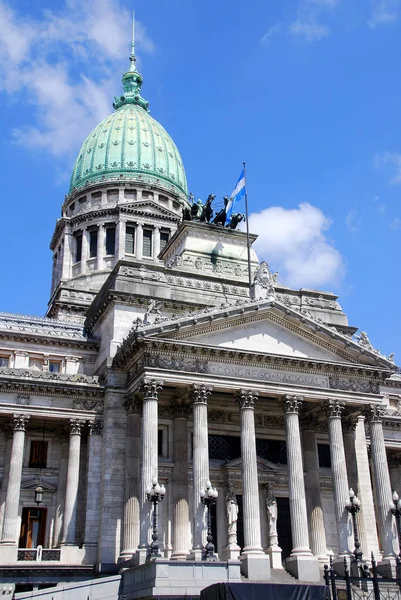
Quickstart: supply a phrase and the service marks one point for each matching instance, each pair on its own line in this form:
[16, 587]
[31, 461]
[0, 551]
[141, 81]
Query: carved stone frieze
[23, 400]
[216, 416]
[310, 423]
[354, 385]
[180, 409]
[133, 403]
[246, 398]
[274, 421]
[173, 363]
[165, 411]
[199, 394]
[88, 404]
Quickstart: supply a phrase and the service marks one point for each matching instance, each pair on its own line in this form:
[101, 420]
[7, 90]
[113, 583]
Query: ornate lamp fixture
[38, 494]
[353, 506]
[155, 494]
[208, 498]
[395, 507]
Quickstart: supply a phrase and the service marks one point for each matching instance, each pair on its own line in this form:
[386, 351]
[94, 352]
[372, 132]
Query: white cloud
[395, 224]
[353, 220]
[309, 13]
[294, 242]
[393, 158]
[384, 12]
[270, 33]
[41, 60]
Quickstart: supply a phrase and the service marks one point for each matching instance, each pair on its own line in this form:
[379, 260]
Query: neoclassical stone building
[156, 360]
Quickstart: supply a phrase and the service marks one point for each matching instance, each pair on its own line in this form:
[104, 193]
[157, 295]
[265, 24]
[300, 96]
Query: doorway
[33, 527]
[284, 526]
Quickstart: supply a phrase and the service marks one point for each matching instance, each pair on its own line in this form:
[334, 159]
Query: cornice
[139, 209]
[26, 381]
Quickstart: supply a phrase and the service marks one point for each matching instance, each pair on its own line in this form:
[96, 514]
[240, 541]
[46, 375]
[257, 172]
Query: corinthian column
[312, 488]
[301, 563]
[334, 409]
[253, 560]
[10, 534]
[382, 481]
[150, 393]
[71, 492]
[181, 544]
[199, 396]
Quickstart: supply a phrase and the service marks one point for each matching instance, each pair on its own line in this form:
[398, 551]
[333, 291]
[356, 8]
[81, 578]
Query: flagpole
[247, 233]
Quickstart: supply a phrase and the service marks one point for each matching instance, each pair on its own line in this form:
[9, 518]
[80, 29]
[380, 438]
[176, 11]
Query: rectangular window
[323, 451]
[147, 243]
[110, 240]
[93, 243]
[36, 364]
[164, 237]
[78, 247]
[3, 361]
[130, 239]
[54, 366]
[38, 455]
[160, 442]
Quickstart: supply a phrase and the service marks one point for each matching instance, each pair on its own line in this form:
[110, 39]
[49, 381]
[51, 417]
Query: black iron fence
[367, 585]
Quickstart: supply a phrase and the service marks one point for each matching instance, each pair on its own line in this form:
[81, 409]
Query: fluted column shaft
[181, 542]
[71, 492]
[296, 486]
[382, 481]
[250, 486]
[10, 534]
[62, 435]
[131, 531]
[339, 473]
[93, 483]
[150, 391]
[200, 394]
[312, 486]
[101, 246]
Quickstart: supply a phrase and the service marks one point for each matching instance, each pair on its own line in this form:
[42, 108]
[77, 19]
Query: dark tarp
[260, 591]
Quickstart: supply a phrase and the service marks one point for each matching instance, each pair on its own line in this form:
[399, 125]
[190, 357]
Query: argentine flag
[238, 193]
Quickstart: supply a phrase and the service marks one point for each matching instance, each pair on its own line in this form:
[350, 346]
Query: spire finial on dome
[132, 80]
[132, 56]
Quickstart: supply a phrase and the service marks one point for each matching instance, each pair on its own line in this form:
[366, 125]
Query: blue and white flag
[238, 193]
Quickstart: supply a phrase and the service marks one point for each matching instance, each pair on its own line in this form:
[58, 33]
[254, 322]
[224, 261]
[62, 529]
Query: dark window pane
[164, 237]
[160, 442]
[147, 243]
[323, 451]
[129, 239]
[93, 243]
[54, 367]
[273, 450]
[3, 361]
[38, 454]
[78, 248]
[110, 240]
[224, 447]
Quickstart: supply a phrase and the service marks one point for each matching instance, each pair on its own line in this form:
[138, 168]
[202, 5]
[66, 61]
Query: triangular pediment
[148, 207]
[266, 327]
[263, 465]
[32, 484]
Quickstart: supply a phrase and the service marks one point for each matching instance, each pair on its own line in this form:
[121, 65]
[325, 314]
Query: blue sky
[308, 92]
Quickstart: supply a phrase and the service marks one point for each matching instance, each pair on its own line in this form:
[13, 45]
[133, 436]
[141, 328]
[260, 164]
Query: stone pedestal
[231, 552]
[303, 568]
[274, 552]
[256, 567]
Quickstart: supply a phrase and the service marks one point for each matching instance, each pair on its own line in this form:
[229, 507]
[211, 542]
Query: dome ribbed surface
[130, 143]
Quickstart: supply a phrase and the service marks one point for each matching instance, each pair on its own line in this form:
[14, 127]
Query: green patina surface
[130, 143]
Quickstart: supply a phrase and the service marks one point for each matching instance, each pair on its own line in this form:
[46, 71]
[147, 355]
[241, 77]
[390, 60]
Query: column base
[304, 568]
[274, 553]
[256, 567]
[196, 554]
[339, 565]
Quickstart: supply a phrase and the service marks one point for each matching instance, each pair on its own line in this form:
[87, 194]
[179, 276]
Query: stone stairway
[282, 576]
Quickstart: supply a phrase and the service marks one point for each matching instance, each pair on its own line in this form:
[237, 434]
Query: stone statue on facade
[153, 310]
[232, 550]
[274, 549]
[203, 213]
[264, 283]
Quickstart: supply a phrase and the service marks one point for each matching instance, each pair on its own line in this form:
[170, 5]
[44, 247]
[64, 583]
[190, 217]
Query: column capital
[75, 426]
[334, 408]
[375, 413]
[95, 427]
[150, 389]
[292, 404]
[19, 422]
[246, 398]
[199, 394]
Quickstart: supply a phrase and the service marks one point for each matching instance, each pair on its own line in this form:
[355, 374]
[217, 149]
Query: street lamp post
[155, 494]
[395, 508]
[208, 498]
[353, 506]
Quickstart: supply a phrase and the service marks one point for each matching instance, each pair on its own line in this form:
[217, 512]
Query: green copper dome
[130, 144]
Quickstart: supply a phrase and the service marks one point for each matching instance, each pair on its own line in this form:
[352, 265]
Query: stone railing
[38, 554]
